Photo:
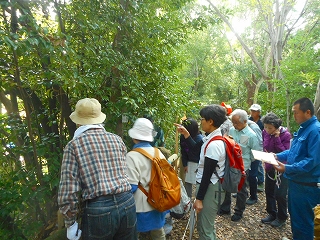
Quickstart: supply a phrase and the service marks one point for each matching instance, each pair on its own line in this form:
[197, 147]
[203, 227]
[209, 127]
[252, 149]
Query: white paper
[265, 157]
[191, 174]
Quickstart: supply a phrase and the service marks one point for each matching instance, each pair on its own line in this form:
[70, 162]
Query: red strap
[212, 139]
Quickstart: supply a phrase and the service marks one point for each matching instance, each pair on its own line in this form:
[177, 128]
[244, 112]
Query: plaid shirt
[93, 165]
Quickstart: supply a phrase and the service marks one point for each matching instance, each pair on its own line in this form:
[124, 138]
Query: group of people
[97, 169]
[293, 184]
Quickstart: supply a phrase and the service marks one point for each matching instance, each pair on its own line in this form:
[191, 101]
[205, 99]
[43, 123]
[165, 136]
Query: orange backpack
[164, 187]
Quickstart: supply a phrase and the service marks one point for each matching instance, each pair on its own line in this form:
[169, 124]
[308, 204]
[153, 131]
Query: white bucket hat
[142, 130]
[88, 111]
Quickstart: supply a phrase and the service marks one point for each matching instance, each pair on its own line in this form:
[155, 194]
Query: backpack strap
[146, 154]
[212, 139]
[205, 149]
[215, 171]
[142, 189]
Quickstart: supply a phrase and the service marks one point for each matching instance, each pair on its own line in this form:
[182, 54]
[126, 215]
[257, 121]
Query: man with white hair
[94, 168]
[248, 140]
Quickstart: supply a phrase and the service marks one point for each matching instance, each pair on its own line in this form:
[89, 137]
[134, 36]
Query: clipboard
[264, 157]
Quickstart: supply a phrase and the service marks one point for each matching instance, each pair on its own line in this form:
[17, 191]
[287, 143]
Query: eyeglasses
[202, 119]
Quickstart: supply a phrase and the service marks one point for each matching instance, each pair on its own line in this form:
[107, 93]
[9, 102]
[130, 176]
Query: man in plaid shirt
[94, 168]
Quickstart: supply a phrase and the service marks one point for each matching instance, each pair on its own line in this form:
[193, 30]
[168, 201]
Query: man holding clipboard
[302, 170]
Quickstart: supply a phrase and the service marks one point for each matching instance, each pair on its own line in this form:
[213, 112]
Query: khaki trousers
[207, 216]
[157, 234]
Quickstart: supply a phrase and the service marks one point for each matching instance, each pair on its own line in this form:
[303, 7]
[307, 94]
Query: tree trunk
[251, 87]
[317, 101]
[251, 54]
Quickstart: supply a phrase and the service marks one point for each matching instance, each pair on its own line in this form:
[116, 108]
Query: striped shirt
[93, 165]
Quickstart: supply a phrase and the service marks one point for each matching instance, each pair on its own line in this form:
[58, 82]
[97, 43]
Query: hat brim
[134, 134]
[86, 121]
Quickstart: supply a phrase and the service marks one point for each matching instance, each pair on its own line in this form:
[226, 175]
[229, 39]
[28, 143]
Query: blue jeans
[252, 179]
[260, 173]
[110, 217]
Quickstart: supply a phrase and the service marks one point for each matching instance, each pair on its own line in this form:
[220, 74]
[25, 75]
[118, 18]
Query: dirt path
[248, 228]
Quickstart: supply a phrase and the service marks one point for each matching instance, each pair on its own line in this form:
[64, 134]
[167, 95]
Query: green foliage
[166, 58]
[21, 194]
[126, 56]
[231, 74]
[300, 68]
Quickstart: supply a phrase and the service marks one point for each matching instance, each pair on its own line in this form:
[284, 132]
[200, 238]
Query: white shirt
[215, 150]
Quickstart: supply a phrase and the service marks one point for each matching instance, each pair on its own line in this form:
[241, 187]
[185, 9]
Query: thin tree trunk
[246, 48]
[317, 101]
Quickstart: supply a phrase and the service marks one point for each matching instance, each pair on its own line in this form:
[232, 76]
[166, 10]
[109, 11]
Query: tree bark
[317, 101]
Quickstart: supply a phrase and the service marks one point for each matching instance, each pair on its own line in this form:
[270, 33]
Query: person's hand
[275, 156]
[276, 133]
[73, 232]
[186, 169]
[280, 167]
[181, 129]
[198, 205]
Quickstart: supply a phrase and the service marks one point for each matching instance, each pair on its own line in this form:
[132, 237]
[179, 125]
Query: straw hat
[142, 130]
[88, 111]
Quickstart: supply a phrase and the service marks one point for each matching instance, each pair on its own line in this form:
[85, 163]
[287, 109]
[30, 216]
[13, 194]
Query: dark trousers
[301, 201]
[276, 197]
[253, 173]
[240, 201]
[260, 173]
